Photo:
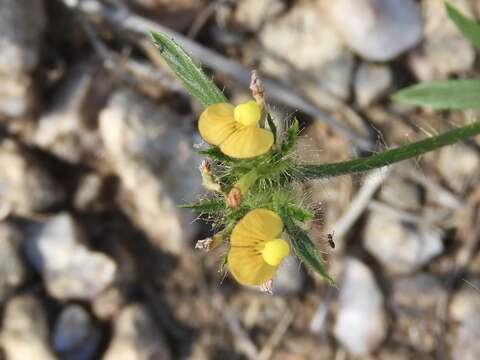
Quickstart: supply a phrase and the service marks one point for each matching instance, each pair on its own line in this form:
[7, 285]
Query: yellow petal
[256, 228]
[248, 267]
[247, 142]
[247, 113]
[217, 123]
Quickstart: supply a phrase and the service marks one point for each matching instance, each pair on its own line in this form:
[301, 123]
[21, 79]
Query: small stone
[465, 303]
[293, 42]
[89, 192]
[401, 194]
[289, 278]
[25, 330]
[253, 14]
[109, 303]
[459, 165]
[22, 25]
[150, 148]
[70, 270]
[16, 94]
[361, 320]
[68, 128]
[378, 30]
[416, 303]
[25, 185]
[401, 248]
[465, 343]
[406, 289]
[135, 336]
[75, 336]
[371, 82]
[13, 271]
[435, 60]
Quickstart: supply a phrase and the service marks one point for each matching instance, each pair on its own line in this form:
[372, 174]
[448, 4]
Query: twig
[201, 19]
[442, 195]
[462, 259]
[317, 324]
[123, 67]
[276, 336]
[361, 201]
[396, 213]
[244, 341]
[125, 20]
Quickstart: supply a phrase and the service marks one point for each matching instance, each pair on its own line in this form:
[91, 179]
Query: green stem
[307, 172]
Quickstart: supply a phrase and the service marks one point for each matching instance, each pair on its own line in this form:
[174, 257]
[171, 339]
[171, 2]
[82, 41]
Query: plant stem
[389, 157]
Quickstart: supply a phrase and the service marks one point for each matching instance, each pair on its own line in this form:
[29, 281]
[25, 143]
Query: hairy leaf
[305, 248]
[194, 79]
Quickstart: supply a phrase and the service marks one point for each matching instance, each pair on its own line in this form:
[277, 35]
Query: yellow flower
[235, 129]
[255, 249]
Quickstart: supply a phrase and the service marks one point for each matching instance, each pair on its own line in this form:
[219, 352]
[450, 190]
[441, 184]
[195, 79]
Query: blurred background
[97, 150]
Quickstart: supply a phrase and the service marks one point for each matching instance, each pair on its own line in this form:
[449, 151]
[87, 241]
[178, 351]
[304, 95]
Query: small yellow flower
[235, 129]
[255, 249]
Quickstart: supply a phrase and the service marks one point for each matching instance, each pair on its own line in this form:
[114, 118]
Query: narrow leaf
[469, 28]
[305, 248]
[443, 95]
[194, 79]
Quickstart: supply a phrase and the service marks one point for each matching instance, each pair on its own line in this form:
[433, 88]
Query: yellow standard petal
[247, 142]
[217, 123]
[256, 228]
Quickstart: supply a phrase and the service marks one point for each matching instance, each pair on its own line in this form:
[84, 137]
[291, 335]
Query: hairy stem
[389, 157]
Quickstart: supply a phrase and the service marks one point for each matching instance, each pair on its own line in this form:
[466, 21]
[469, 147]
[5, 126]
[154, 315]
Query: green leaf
[305, 248]
[443, 95]
[208, 206]
[194, 79]
[469, 28]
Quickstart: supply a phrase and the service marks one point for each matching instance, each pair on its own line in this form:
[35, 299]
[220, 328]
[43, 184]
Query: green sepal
[272, 126]
[223, 264]
[207, 206]
[299, 214]
[291, 139]
[194, 79]
[215, 154]
[305, 248]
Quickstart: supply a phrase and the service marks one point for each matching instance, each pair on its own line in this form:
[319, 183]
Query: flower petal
[256, 228]
[248, 267]
[247, 142]
[217, 123]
